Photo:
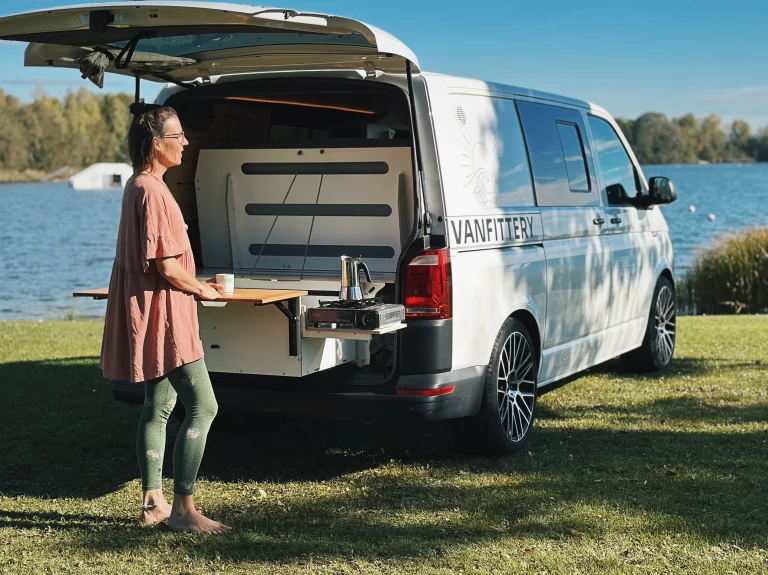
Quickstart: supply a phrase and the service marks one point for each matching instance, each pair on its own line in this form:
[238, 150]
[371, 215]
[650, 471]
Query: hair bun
[140, 108]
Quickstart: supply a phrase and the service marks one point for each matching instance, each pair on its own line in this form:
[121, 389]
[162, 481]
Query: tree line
[656, 139]
[84, 128]
[79, 130]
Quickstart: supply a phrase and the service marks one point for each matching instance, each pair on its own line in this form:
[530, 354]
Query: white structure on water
[102, 177]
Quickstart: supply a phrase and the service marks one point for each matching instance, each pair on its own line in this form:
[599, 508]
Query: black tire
[504, 432]
[658, 347]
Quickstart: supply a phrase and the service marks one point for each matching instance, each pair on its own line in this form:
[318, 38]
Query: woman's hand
[208, 291]
[177, 276]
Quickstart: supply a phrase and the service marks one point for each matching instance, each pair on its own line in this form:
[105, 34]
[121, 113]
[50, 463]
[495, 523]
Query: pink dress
[151, 327]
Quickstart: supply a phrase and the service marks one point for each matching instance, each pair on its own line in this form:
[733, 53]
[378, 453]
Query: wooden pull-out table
[253, 296]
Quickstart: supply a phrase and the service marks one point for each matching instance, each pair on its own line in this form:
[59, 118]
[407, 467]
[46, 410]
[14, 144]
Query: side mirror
[660, 191]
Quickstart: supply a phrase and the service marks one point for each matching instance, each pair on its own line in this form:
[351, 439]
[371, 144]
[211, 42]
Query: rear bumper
[235, 395]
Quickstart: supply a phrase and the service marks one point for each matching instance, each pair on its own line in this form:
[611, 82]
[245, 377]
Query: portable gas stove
[359, 314]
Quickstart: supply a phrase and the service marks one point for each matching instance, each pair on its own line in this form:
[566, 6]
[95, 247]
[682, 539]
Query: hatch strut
[417, 147]
[125, 56]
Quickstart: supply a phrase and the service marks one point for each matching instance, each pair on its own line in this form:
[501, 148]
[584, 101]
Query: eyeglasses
[179, 137]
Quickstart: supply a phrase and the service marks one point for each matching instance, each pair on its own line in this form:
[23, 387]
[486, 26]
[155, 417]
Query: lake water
[54, 240]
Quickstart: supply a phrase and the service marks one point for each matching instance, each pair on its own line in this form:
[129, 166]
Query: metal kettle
[350, 282]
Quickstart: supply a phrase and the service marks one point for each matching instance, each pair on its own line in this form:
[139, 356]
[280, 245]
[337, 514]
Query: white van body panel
[493, 227]
[489, 285]
[588, 287]
[639, 250]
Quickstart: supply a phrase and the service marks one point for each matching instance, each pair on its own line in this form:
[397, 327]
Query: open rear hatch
[188, 42]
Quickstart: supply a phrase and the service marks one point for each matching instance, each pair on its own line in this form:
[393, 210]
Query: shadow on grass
[65, 439]
[666, 410]
[63, 434]
[694, 483]
[616, 369]
[690, 366]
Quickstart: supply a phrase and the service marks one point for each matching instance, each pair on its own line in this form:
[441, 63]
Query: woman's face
[170, 147]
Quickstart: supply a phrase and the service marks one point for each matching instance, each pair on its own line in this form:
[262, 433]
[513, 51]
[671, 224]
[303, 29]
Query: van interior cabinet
[294, 212]
[255, 340]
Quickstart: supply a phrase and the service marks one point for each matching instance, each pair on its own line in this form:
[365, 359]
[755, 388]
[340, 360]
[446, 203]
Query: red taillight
[427, 286]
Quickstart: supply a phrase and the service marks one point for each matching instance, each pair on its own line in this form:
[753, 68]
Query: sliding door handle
[598, 221]
[616, 220]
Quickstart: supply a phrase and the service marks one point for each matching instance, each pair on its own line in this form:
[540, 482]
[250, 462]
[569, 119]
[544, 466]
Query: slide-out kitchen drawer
[242, 338]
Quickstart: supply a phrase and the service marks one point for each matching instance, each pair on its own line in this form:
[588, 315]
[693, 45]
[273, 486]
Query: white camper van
[510, 238]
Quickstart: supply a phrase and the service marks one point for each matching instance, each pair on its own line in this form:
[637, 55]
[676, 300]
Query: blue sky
[667, 56]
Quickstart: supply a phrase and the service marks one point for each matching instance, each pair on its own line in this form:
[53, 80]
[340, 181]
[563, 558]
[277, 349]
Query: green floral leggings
[193, 385]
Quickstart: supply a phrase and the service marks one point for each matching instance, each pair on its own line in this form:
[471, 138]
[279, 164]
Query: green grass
[625, 474]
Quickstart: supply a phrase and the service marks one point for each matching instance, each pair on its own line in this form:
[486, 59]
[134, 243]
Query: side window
[563, 173]
[616, 169]
[573, 152]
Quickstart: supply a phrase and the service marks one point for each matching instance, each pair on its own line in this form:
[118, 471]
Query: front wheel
[658, 347]
[509, 396]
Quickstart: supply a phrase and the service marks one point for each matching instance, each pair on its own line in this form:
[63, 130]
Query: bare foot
[196, 522]
[157, 514]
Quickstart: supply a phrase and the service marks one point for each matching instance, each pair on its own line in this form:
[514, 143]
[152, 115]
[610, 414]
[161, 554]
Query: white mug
[228, 283]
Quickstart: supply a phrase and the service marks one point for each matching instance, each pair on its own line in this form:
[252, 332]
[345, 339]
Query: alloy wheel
[516, 386]
[665, 324]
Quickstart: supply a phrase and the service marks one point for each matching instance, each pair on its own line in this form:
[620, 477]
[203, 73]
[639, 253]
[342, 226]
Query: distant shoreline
[30, 176]
[20, 177]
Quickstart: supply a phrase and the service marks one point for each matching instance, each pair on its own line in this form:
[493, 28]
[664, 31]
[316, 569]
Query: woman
[151, 333]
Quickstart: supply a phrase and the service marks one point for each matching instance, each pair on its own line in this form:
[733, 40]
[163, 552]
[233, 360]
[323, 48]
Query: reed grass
[731, 277]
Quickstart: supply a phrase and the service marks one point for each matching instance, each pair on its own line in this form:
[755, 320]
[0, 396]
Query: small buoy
[711, 217]
[691, 208]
